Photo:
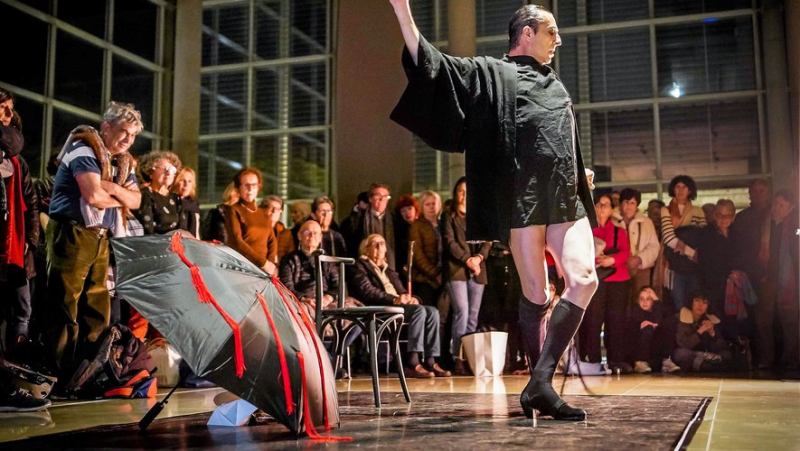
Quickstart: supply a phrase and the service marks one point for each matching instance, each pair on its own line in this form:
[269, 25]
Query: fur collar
[687, 318]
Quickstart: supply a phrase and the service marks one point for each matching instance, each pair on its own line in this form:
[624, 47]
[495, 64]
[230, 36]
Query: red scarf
[13, 229]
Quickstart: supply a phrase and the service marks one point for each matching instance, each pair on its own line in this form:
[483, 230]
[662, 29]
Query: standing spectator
[19, 226]
[406, 211]
[708, 211]
[426, 273]
[681, 273]
[44, 189]
[322, 211]
[300, 212]
[249, 227]
[274, 206]
[158, 211]
[88, 194]
[700, 347]
[349, 226]
[466, 272]
[716, 259]
[499, 307]
[377, 218]
[375, 283]
[185, 186]
[654, 213]
[652, 335]
[608, 308]
[643, 239]
[779, 286]
[216, 217]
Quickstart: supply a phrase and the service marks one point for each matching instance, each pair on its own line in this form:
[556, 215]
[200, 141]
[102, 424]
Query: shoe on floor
[621, 367]
[439, 371]
[668, 366]
[418, 371]
[642, 367]
[21, 400]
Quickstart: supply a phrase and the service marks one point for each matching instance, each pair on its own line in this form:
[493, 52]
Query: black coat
[368, 288]
[469, 105]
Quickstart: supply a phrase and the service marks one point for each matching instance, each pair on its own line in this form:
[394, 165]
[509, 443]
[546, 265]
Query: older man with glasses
[377, 218]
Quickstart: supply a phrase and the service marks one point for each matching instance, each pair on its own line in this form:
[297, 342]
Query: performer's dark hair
[630, 193]
[527, 16]
[686, 180]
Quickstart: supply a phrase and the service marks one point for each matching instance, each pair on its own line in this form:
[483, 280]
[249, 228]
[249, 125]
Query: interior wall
[369, 79]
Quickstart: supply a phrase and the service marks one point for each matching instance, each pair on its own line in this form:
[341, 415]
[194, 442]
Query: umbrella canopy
[232, 323]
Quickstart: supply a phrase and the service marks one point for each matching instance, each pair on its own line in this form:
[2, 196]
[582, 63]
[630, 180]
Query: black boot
[539, 393]
[531, 318]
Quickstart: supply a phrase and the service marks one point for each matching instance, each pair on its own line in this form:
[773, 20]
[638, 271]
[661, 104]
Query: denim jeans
[466, 304]
[683, 285]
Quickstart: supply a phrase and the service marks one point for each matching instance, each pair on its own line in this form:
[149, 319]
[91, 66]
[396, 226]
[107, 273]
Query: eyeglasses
[604, 205]
[310, 233]
[382, 197]
[324, 212]
[171, 170]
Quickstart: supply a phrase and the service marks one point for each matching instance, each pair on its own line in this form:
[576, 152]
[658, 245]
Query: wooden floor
[745, 413]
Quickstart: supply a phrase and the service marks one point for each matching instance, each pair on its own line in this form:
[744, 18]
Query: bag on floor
[486, 352]
[120, 367]
[167, 360]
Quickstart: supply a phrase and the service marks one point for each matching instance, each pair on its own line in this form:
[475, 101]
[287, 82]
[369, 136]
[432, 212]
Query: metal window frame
[157, 133]
[282, 66]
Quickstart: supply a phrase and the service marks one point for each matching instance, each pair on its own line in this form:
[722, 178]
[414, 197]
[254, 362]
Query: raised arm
[402, 9]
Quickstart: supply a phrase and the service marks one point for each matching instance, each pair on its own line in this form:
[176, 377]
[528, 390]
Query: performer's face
[542, 44]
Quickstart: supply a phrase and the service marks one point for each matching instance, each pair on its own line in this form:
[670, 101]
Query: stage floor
[744, 413]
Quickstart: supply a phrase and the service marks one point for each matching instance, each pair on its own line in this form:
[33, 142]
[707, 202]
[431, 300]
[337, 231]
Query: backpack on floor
[120, 367]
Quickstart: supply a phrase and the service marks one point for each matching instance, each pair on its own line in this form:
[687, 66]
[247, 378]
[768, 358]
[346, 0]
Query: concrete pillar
[369, 79]
[460, 42]
[783, 161]
[186, 86]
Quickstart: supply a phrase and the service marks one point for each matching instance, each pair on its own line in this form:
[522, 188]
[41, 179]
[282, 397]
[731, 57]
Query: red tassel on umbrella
[205, 296]
[287, 387]
[310, 429]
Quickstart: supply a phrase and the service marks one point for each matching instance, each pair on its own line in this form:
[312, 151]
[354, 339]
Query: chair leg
[394, 342]
[373, 361]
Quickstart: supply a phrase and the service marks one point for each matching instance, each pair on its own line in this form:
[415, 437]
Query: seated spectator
[297, 272]
[274, 206]
[158, 211]
[248, 227]
[185, 186]
[216, 218]
[322, 211]
[377, 284]
[652, 336]
[700, 347]
[300, 212]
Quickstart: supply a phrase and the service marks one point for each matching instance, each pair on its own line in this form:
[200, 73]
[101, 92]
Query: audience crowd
[682, 287]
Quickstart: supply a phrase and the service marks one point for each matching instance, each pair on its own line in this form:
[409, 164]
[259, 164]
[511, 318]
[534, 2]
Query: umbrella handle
[156, 409]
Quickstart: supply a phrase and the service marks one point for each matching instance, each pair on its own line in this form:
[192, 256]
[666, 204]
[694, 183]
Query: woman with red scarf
[19, 225]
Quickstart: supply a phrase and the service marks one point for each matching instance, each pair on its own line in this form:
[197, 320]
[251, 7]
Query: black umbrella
[233, 324]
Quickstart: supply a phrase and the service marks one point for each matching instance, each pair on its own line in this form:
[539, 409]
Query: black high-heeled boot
[539, 393]
[531, 318]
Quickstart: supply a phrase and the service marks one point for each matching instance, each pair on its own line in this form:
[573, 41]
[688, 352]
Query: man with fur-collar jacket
[93, 188]
[645, 245]
[700, 345]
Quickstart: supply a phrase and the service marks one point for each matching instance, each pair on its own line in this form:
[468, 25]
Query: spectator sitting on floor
[652, 337]
[377, 284]
[700, 346]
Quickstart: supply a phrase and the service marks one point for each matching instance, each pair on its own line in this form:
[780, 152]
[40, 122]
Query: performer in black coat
[513, 118]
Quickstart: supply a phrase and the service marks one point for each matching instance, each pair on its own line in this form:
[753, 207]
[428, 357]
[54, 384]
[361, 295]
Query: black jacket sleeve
[366, 290]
